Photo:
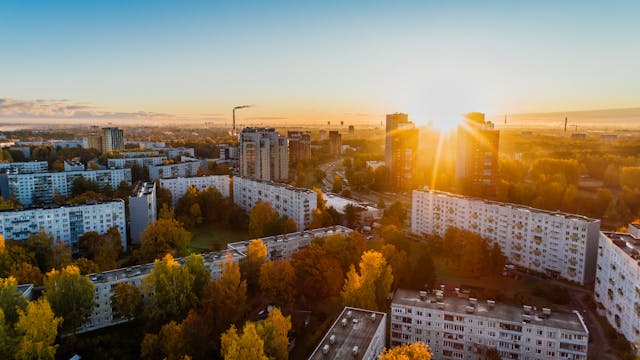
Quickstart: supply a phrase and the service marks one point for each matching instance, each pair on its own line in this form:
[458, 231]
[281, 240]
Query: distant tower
[565, 124]
[505, 119]
[341, 123]
[477, 155]
[328, 123]
[401, 149]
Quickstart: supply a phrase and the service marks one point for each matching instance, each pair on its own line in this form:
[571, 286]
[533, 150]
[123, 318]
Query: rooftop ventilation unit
[526, 318]
[423, 295]
[373, 317]
[469, 309]
[343, 322]
[546, 312]
[325, 349]
[332, 339]
[473, 301]
[354, 352]
[491, 304]
[349, 314]
[526, 309]
[440, 305]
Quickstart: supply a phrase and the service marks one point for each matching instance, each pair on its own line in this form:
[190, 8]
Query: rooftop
[626, 242]
[241, 246]
[58, 206]
[340, 203]
[354, 327]
[514, 206]
[512, 313]
[143, 188]
[280, 185]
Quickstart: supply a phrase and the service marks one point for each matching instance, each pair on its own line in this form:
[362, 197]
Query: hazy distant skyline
[316, 60]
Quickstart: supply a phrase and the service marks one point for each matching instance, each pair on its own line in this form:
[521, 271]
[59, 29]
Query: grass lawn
[213, 237]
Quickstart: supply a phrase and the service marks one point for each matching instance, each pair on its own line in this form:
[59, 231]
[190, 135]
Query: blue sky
[319, 60]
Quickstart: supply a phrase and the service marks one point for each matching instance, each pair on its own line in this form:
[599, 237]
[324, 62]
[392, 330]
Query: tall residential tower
[401, 147]
[477, 156]
[264, 154]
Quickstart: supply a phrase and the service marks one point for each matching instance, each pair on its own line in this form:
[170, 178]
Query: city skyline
[314, 62]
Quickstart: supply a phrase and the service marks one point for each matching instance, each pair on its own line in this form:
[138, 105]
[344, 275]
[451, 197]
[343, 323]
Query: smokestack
[233, 131]
[565, 124]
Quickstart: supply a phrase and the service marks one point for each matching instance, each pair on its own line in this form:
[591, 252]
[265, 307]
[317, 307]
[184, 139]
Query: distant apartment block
[142, 161]
[356, 334]
[93, 141]
[142, 209]
[73, 165]
[24, 167]
[285, 245]
[365, 213]
[299, 146]
[43, 187]
[401, 149]
[264, 154]
[179, 186]
[467, 328]
[175, 170]
[558, 244]
[112, 139]
[335, 143]
[173, 153]
[146, 144]
[66, 223]
[477, 155]
[617, 287]
[228, 152]
[296, 203]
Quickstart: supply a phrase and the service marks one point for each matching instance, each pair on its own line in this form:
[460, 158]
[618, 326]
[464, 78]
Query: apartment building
[73, 165]
[66, 223]
[175, 170]
[296, 203]
[558, 244]
[36, 188]
[112, 139]
[357, 334]
[617, 287]
[284, 245]
[264, 154]
[477, 155]
[459, 328]
[142, 209]
[173, 153]
[142, 161]
[401, 149]
[335, 143]
[24, 167]
[179, 186]
[299, 146]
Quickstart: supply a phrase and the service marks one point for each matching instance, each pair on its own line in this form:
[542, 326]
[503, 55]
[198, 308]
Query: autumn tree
[413, 351]
[245, 346]
[347, 249]
[170, 287]
[86, 266]
[26, 273]
[60, 255]
[194, 264]
[11, 300]
[40, 245]
[165, 236]
[37, 328]
[278, 283]
[126, 300]
[274, 332]
[70, 295]
[369, 287]
[250, 265]
[337, 184]
[264, 220]
[318, 275]
[169, 344]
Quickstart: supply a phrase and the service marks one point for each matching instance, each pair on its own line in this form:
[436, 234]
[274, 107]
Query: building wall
[264, 154]
[142, 210]
[128, 162]
[66, 223]
[335, 143]
[296, 203]
[401, 147]
[179, 186]
[559, 244]
[24, 167]
[112, 139]
[181, 169]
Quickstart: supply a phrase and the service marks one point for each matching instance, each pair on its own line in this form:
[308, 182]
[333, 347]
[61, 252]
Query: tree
[274, 332]
[250, 265]
[86, 266]
[260, 217]
[318, 275]
[60, 256]
[106, 253]
[165, 236]
[40, 244]
[368, 288]
[11, 300]
[26, 273]
[194, 264]
[163, 196]
[245, 346]
[38, 328]
[278, 283]
[5, 338]
[395, 214]
[126, 300]
[337, 184]
[346, 249]
[170, 287]
[70, 295]
[168, 344]
[80, 185]
[413, 351]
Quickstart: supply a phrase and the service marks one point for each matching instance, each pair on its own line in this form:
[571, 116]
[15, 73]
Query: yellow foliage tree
[368, 288]
[39, 328]
[273, 331]
[413, 351]
[245, 346]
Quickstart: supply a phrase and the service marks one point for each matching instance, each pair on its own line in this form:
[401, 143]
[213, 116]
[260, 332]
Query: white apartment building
[357, 334]
[285, 245]
[112, 139]
[173, 153]
[555, 243]
[180, 169]
[24, 167]
[66, 223]
[617, 288]
[72, 165]
[106, 282]
[264, 154]
[458, 328]
[42, 187]
[179, 186]
[296, 203]
[142, 209]
[127, 162]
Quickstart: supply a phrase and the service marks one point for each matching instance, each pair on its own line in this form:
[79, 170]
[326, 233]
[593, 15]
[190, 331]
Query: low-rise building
[296, 203]
[67, 223]
[357, 334]
[365, 213]
[179, 186]
[556, 243]
[175, 170]
[467, 328]
[142, 209]
[284, 245]
[617, 287]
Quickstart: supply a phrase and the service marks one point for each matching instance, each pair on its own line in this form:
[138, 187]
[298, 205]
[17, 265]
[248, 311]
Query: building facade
[296, 203]
[335, 143]
[37, 188]
[67, 223]
[264, 154]
[179, 186]
[558, 244]
[477, 155]
[128, 162]
[401, 148]
[24, 167]
[112, 139]
[175, 170]
[356, 334]
[458, 328]
[142, 209]
[299, 146]
[617, 287]
[173, 153]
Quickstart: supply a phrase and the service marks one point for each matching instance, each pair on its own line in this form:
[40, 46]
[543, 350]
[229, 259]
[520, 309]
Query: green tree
[165, 236]
[40, 245]
[126, 300]
[38, 328]
[163, 196]
[70, 295]
[194, 264]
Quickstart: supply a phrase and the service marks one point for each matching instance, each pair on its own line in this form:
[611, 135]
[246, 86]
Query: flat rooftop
[512, 313]
[279, 185]
[340, 203]
[241, 246]
[511, 205]
[358, 330]
[626, 242]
